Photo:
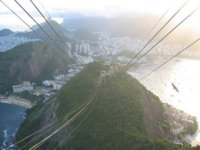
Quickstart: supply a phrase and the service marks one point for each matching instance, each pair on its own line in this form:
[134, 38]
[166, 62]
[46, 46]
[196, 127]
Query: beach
[17, 101]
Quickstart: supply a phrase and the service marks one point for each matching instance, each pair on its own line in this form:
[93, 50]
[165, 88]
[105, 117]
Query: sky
[105, 8]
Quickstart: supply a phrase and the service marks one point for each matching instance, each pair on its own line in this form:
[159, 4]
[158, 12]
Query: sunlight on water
[185, 75]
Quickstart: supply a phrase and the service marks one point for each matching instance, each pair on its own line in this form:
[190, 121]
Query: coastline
[17, 101]
[177, 72]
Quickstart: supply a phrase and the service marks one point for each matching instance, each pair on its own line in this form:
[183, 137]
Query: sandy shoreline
[17, 101]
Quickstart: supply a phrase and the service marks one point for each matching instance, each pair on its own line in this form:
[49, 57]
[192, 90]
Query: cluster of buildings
[25, 86]
[109, 45]
[10, 41]
[60, 80]
[83, 48]
[106, 45]
[180, 122]
[49, 86]
[85, 59]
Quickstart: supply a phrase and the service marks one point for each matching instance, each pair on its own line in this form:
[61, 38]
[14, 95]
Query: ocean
[10, 118]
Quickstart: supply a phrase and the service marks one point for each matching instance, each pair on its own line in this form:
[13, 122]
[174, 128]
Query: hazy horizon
[95, 8]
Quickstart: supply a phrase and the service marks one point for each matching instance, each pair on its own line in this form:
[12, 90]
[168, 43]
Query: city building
[47, 83]
[25, 86]
[83, 48]
[57, 86]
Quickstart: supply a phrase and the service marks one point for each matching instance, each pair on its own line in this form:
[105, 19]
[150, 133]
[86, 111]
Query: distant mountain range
[79, 34]
[62, 32]
[134, 27]
[26, 36]
[5, 32]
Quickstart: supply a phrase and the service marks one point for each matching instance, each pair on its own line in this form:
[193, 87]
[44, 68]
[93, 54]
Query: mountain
[84, 34]
[33, 61]
[61, 31]
[29, 35]
[59, 38]
[133, 26]
[5, 32]
[121, 115]
[91, 23]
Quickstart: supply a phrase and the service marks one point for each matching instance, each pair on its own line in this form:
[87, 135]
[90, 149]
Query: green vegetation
[79, 88]
[117, 115]
[193, 128]
[116, 121]
[6, 60]
[33, 61]
[31, 97]
[32, 121]
[165, 126]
